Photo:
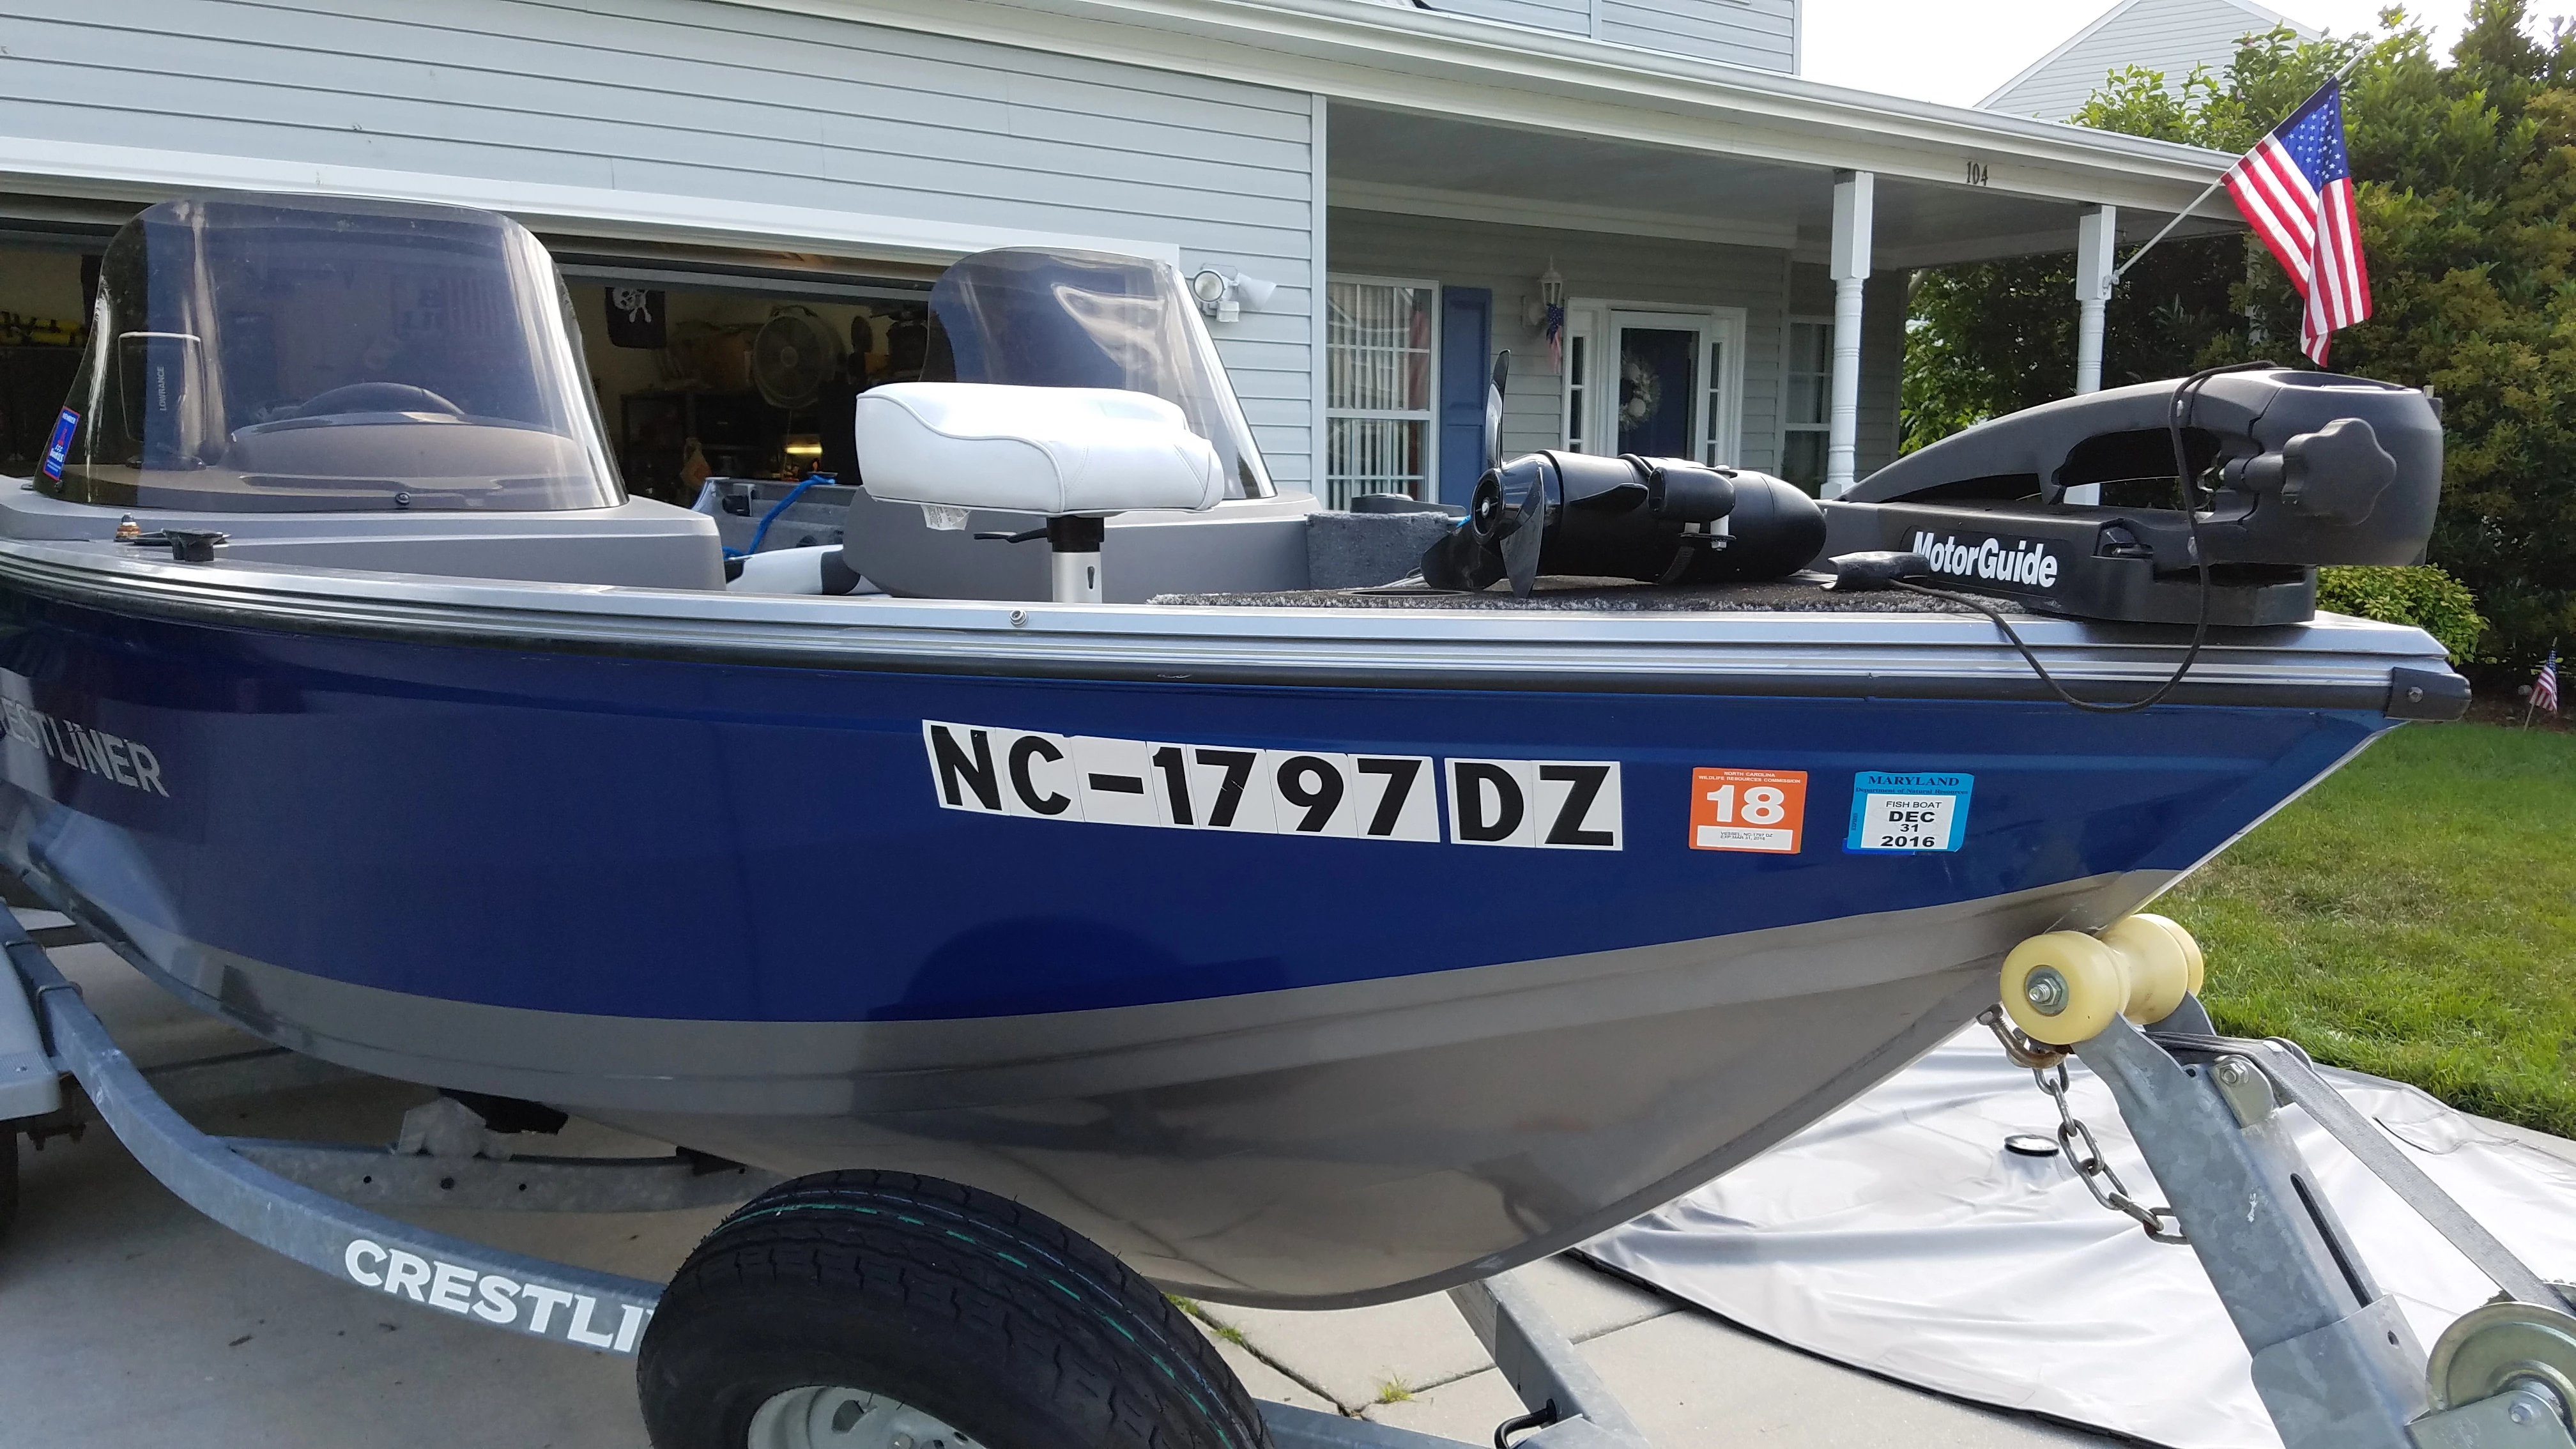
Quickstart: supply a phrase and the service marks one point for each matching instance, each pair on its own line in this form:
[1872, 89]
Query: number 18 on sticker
[1758, 810]
[1893, 812]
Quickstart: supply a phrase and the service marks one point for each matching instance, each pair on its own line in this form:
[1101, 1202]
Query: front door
[1656, 396]
[1657, 384]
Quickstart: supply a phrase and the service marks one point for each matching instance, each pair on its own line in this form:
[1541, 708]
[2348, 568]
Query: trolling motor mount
[2289, 470]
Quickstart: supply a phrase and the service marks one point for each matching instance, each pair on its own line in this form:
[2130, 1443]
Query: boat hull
[735, 903]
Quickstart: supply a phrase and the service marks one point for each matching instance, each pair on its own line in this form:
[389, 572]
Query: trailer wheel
[880, 1310]
[8, 1176]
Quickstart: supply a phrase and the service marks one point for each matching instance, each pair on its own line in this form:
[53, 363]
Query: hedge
[2422, 595]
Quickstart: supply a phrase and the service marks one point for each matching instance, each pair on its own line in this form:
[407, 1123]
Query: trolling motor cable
[2177, 419]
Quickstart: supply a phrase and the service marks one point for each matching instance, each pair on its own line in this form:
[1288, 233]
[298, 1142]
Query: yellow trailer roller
[2065, 986]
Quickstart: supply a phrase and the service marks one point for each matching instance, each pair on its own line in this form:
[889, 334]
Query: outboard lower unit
[2288, 469]
[1659, 520]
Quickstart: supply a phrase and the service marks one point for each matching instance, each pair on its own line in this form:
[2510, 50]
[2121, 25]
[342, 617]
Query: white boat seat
[1055, 451]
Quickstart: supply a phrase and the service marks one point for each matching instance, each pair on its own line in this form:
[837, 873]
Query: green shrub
[2423, 596]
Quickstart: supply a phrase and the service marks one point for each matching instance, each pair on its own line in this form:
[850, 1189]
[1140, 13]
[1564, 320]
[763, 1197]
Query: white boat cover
[1898, 1235]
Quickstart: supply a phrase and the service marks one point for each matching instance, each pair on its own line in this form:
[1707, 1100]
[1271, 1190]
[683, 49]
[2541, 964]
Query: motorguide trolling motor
[2289, 470]
[1657, 520]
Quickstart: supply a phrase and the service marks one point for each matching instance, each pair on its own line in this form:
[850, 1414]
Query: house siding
[1508, 259]
[2167, 36]
[1572, 16]
[724, 103]
[1761, 33]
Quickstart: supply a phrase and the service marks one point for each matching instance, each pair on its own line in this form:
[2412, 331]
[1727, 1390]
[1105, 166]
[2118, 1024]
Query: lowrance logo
[2028, 564]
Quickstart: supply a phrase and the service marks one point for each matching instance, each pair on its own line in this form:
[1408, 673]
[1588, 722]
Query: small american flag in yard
[2544, 690]
[2295, 188]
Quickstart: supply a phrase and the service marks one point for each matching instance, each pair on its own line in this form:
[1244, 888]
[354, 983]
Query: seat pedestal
[1075, 543]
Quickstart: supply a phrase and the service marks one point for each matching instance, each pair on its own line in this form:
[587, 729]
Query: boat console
[350, 384]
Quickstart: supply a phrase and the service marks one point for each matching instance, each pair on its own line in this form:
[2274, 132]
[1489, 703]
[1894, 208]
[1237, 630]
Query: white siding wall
[1508, 260]
[1574, 16]
[1745, 32]
[2170, 36]
[1882, 354]
[700, 99]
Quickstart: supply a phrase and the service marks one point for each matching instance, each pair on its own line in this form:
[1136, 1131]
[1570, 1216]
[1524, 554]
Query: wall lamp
[1223, 295]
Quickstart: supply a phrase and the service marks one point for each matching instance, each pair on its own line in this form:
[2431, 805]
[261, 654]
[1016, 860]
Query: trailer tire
[959, 1306]
[8, 1176]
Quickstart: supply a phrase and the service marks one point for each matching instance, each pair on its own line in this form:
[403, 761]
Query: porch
[1708, 302]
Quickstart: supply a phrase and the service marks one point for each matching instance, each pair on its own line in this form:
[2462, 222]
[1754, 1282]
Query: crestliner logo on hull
[2025, 563]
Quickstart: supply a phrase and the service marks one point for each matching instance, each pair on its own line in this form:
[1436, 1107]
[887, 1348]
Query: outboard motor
[2288, 470]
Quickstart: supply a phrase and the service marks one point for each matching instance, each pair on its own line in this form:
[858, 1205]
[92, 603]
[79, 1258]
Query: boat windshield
[278, 354]
[1088, 319]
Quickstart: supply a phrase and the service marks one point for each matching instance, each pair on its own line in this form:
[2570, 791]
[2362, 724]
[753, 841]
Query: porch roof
[1457, 115]
[1385, 160]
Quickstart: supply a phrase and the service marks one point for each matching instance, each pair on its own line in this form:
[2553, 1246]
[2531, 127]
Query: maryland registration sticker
[1909, 813]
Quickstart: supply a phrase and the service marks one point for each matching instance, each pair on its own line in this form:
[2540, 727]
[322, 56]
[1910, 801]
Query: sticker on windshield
[1909, 813]
[58, 448]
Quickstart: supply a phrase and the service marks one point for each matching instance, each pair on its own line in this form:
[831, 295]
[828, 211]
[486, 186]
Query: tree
[2466, 182]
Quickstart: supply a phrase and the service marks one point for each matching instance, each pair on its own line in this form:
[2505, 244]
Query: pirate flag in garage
[635, 318]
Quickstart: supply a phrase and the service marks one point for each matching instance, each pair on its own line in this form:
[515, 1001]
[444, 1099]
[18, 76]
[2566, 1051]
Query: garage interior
[705, 363]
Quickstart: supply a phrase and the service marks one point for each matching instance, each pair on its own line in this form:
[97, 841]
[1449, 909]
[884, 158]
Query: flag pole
[2211, 190]
[2122, 269]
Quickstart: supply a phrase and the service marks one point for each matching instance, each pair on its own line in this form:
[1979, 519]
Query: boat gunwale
[2331, 663]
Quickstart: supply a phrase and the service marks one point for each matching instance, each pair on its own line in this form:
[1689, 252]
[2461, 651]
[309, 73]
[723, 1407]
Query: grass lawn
[2413, 917]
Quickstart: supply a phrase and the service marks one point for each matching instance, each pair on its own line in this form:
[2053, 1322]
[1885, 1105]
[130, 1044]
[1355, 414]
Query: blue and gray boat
[1304, 937]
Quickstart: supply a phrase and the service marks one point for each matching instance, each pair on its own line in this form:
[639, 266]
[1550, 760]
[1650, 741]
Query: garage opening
[738, 365]
[706, 362]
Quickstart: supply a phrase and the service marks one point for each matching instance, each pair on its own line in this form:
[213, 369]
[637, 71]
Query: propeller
[1494, 411]
[1520, 547]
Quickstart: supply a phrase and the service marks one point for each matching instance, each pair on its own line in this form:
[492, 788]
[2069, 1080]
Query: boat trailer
[2333, 1358]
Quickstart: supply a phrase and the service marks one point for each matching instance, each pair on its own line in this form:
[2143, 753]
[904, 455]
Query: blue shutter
[1466, 370]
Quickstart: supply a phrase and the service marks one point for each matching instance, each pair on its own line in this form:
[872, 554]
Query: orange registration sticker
[1758, 810]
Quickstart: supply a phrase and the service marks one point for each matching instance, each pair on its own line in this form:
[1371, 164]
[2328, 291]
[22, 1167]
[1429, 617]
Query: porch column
[1849, 267]
[2094, 236]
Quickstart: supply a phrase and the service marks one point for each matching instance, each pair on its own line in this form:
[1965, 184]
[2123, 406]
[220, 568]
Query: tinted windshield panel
[275, 354]
[1088, 319]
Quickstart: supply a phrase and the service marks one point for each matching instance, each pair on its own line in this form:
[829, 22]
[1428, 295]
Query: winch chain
[2090, 1166]
[2097, 1174]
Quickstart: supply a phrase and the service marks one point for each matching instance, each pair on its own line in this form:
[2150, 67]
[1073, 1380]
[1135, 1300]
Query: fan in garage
[794, 357]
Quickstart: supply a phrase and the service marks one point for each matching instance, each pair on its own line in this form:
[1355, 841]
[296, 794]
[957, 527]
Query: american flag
[2544, 690]
[2295, 188]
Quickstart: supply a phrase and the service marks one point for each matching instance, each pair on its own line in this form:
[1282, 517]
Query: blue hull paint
[697, 841]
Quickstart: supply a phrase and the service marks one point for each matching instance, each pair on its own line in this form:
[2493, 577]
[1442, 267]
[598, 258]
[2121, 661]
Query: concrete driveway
[127, 1321]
